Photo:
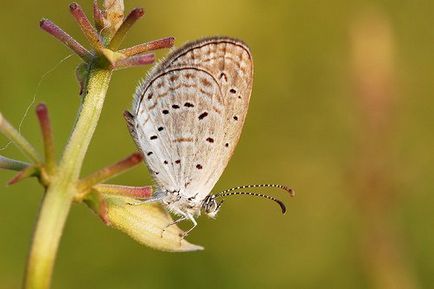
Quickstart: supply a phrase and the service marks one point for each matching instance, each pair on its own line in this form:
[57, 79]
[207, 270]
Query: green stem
[61, 192]
[14, 135]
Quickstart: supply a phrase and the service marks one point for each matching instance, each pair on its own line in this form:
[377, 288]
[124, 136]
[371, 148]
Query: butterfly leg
[141, 202]
[173, 223]
[191, 218]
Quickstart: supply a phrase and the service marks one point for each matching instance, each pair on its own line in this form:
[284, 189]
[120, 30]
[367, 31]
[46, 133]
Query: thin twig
[127, 191]
[47, 136]
[12, 134]
[136, 60]
[117, 39]
[27, 172]
[148, 46]
[13, 165]
[85, 26]
[65, 38]
[110, 171]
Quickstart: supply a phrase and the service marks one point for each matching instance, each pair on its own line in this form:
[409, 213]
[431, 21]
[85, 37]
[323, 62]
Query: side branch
[117, 39]
[13, 165]
[47, 136]
[66, 39]
[148, 46]
[126, 191]
[13, 135]
[109, 172]
[85, 26]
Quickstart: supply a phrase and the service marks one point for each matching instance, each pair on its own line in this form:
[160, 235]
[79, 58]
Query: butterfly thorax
[181, 205]
[193, 206]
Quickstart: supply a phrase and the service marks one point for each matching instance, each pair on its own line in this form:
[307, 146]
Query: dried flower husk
[144, 223]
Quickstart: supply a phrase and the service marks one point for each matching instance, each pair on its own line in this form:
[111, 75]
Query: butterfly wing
[188, 114]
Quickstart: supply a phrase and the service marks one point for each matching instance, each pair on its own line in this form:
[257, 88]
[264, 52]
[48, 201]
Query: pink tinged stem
[98, 16]
[110, 171]
[65, 38]
[136, 60]
[125, 27]
[27, 172]
[47, 135]
[148, 46]
[13, 165]
[85, 26]
[127, 191]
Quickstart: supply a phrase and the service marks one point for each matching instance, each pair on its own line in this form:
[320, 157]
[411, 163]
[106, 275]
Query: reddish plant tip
[171, 40]
[136, 157]
[41, 109]
[47, 25]
[137, 12]
[73, 6]
[42, 22]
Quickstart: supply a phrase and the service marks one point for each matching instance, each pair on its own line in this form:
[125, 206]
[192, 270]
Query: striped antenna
[283, 187]
[279, 202]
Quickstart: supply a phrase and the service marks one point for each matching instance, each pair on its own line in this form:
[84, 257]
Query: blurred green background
[305, 127]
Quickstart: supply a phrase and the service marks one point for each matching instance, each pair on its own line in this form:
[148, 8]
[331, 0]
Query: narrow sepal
[15, 136]
[136, 60]
[47, 137]
[126, 191]
[110, 171]
[86, 27]
[66, 39]
[11, 164]
[28, 172]
[166, 42]
[129, 21]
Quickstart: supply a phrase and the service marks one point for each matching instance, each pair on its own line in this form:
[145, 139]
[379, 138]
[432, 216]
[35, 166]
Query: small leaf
[144, 223]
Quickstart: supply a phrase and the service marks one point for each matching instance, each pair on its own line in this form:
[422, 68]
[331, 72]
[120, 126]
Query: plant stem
[127, 191]
[13, 165]
[109, 172]
[47, 137]
[61, 192]
[14, 135]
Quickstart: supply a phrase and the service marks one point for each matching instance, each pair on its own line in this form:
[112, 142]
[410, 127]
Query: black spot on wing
[203, 115]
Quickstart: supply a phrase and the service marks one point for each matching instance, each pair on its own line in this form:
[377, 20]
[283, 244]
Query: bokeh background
[342, 110]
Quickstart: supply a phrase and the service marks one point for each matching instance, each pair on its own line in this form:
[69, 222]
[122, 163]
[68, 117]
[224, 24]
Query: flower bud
[145, 223]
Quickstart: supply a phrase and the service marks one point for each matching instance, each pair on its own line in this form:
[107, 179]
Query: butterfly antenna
[282, 187]
[279, 202]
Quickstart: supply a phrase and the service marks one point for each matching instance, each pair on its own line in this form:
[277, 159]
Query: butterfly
[186, 119]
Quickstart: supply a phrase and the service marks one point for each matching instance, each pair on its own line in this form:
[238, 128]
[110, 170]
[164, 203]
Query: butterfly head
[211, 206]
